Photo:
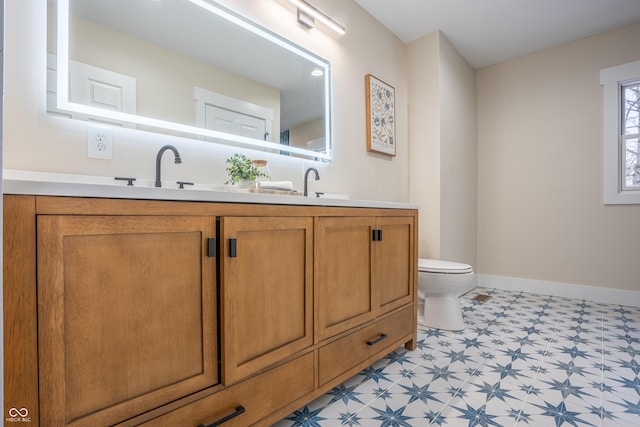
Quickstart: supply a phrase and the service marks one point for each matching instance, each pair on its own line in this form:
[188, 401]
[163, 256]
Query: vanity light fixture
[307, 15]
[317, 72]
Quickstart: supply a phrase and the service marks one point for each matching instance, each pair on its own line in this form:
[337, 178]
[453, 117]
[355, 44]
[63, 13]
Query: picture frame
[381, 120]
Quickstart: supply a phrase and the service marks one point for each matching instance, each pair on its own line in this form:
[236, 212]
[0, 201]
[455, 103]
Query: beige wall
[306, 132]
[35, 141]
[424, 134]
[459, 154]
[540, 168]
[442, 131]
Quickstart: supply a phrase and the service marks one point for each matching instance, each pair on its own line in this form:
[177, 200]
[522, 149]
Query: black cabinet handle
[239, 411]
[377, 340]
[211, 247]
[233, 248]
[377, 235]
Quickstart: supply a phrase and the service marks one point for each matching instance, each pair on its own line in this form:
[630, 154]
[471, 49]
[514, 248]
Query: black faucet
[159, 161]
[306, 177]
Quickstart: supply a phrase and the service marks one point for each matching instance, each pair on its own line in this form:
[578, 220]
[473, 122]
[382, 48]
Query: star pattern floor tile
[523, 360]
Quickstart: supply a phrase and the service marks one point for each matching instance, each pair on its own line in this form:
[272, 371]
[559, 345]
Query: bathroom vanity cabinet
[363, 269]
[165, 313]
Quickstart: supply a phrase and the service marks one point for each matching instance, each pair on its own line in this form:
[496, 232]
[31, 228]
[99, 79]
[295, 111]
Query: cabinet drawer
[341, 355]
[258, 397]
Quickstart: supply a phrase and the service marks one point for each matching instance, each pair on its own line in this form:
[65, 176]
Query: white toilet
[441, 283]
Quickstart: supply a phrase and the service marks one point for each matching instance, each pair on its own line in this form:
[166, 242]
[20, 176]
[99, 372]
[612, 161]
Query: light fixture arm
[307, 14]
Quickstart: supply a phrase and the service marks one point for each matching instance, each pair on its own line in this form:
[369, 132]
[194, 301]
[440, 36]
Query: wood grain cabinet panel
[266, 291]
[344, 293]
[394, 262]
[20, 307]
[126, 312]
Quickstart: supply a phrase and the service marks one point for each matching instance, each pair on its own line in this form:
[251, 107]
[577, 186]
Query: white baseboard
[566, 290]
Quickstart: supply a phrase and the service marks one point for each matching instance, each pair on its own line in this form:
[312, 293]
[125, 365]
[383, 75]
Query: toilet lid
[448, 267]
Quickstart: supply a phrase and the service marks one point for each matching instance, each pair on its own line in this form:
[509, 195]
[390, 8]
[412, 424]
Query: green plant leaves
[241, 168]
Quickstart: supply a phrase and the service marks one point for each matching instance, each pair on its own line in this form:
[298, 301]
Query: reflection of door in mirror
[234, 122]
[229, 115]
[95, 87]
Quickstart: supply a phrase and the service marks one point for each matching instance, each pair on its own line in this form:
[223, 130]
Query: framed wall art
[381, 120]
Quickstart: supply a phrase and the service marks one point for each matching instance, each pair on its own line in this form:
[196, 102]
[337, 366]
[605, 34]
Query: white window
[630, 124]
[621, 133]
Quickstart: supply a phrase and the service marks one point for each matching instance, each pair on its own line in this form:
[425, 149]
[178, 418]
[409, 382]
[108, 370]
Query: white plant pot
[246, 183]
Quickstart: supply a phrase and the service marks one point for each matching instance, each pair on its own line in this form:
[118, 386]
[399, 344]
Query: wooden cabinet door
[126, 315]
[266, 291]
[343, 272]
[394, 261]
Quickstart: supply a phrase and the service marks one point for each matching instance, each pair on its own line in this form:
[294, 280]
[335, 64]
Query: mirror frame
[63, 102]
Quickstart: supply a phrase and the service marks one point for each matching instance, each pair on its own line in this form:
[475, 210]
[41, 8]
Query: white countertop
[55, 184]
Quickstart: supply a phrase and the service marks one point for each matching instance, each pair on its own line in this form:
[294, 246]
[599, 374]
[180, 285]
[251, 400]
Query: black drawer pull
[239, 411]
[377, 340]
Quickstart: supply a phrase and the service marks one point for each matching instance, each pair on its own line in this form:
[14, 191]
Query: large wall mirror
[187, 67]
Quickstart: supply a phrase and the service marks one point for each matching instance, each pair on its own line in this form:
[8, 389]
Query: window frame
[626, 135]
[612, 79]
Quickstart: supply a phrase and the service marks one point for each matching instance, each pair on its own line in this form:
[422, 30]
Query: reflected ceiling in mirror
[188, 67]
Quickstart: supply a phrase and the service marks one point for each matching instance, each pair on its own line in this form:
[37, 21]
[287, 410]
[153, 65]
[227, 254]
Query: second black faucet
[178, 160]
[306, 178]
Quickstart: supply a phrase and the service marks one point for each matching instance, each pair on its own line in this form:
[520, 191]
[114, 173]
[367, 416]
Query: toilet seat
[443, 267]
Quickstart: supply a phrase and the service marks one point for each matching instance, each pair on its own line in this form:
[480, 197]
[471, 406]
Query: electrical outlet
[100, 144]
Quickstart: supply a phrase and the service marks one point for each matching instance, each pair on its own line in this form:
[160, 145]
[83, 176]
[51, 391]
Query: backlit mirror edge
[63, 103]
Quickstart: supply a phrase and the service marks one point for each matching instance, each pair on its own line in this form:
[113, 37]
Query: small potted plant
[242, 171]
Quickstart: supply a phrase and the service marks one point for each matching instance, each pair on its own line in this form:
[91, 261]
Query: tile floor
[523, 360]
